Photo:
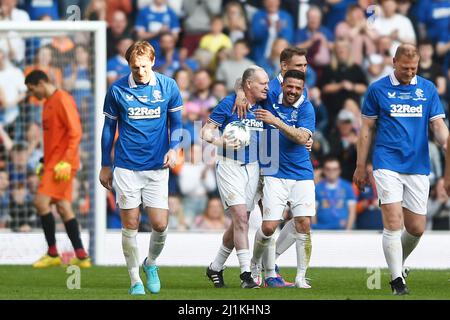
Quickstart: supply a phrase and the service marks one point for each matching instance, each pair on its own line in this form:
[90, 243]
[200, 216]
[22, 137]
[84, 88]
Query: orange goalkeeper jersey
[62, 130]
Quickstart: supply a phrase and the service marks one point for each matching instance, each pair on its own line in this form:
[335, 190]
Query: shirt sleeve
[371, 108]
[350, 194]
[220, 112]
[110, 108]
[140, 20]
[436, 110]
[174, 22]
[71, 119]
[307, 119]
[176, 101]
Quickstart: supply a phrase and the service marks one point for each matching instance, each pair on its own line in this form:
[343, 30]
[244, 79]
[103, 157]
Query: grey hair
[249, 73]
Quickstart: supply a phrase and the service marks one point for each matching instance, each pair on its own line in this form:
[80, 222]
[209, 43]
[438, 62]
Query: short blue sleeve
[141, 20]
[174, 22]
[110, 108]
[176, 101]
[307, 117]
[221, 111]
[436, 110]
[370, 108]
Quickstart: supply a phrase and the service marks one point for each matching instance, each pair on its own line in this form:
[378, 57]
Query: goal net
[73, 54]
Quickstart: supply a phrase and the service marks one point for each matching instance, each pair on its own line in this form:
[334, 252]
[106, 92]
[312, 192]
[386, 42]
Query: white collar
[280, 78]
[133, 84]
[395, 82]
[296, 104]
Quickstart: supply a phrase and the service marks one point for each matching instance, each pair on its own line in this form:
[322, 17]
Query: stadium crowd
[205, 45]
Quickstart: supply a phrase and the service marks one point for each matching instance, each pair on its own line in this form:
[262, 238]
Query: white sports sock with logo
[157, 241]
[409, 243]
[393, 252]
[131, 253]
[244, 259]
[268, 259]
[303, 246]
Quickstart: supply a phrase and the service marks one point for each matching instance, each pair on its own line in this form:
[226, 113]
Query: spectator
[213, 218]
[34, 145]
[317, 39]
[216, 39]
[44, 61]
[341, 80]
[154, 20]
[235, 22]
[21, 209]
[335, 198]
[183, 78]
[443, 49]
[394, 25]
[96, 10]
[196, 180]
[429, 69]
[367, 209]
[192, 113]
[356, 30]
[438, 208]
[169, 59]
[219, 90]
[12, 91]
[117, 30]
[375, 67]
[319, 108]
[125, 6]
[18, 167]
[272, 63]
[37, 9]
[267, 25]
[202, 95]
[4, 198]
[336, 10]
[196, 21]
[434, 17]
[11, 44]
[342, 141]
[232, 69]
[117, 66]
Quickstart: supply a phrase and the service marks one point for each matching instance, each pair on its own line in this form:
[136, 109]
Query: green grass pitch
[190, 283]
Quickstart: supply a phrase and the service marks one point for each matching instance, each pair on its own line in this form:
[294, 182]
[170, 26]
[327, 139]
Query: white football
[238, 130]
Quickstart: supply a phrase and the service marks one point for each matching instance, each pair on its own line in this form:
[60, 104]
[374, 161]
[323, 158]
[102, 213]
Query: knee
[130, 223]
[303, 224]
[160, 227]
[41, 206]
[268, 229]
[416, 231]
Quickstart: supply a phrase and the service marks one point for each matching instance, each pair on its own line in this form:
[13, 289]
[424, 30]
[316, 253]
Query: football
[238, 130]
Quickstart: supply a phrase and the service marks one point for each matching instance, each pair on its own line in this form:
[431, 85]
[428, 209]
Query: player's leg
[127, 185]
[302, 199]
[285, 239]
[51, 258]
[390, 192]
[215, 270]
[65, 210]
[155, 195]
[414, 213]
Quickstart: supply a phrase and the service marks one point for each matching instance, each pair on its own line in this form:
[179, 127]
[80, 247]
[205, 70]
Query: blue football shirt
[141, 111]
[403, 113]
[293, 161]
[222, 115]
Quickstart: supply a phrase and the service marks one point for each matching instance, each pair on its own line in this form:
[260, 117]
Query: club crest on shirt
[419, 95]
[157, 96]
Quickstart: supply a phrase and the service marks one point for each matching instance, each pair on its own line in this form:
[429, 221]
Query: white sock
[268, 260]
[286, 238]
[131, 253]
[304, 246]
[260, 245]
[244, 259]
[409, 242]
[157, 240]
[393, 252]
[221, 257]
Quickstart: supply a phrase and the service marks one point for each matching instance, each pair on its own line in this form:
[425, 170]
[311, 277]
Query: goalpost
[66, 42]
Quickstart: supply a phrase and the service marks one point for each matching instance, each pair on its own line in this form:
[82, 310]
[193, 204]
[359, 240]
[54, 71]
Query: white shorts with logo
[278, 192]
[237, 183]
[410, 189]
[150, 187]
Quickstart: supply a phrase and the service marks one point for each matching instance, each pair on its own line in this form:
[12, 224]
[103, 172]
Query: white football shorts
[237, 183]
[150, 187]
[410, 189]
[278, 192]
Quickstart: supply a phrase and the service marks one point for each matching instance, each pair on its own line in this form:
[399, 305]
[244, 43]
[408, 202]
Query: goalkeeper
[62, 135]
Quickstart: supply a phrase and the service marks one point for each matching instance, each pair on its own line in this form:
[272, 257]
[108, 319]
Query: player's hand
[266, 116]
[230, 141]
[241, 105]
[106, 177]
[360, 177]
[170, 159]
[62, 171]
[309, 144]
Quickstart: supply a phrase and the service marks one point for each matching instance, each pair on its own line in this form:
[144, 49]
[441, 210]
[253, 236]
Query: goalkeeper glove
[62, 171]
[39, 168]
